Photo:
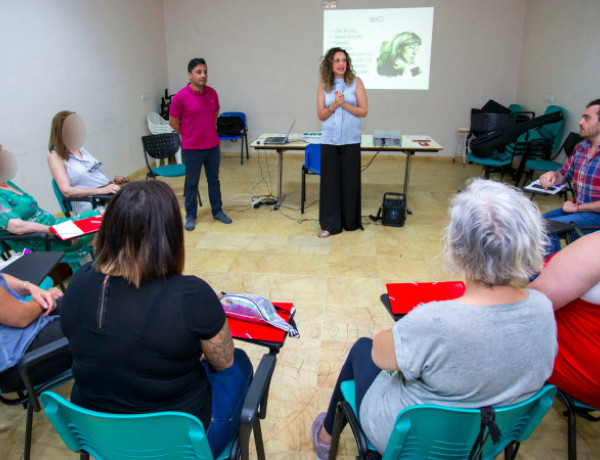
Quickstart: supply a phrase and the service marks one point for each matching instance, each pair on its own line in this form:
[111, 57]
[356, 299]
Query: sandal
[324, 234]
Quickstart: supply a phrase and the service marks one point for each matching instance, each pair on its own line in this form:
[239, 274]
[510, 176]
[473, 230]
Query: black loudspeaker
[393, 209]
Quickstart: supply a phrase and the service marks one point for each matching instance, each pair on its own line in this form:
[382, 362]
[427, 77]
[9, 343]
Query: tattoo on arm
[219, 349]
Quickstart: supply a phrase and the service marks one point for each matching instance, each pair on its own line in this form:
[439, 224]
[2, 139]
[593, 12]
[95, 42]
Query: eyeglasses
[95, 167]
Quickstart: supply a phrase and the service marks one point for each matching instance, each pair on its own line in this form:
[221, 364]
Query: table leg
[280, 194]
[409, 155]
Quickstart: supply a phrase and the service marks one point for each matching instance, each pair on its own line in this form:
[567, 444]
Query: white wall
[263, 57]
[560, 57]
[93, 57]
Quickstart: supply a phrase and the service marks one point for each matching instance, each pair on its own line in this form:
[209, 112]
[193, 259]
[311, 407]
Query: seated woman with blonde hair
[76, 172]
[144, 337]
[494, 346]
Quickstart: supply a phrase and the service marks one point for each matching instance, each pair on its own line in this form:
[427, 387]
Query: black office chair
[31, 376]
[160, 146]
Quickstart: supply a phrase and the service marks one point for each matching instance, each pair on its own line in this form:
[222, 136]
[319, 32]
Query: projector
[387, 138]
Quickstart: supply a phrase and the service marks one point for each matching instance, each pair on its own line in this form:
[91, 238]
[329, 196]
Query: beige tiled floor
[335, 284]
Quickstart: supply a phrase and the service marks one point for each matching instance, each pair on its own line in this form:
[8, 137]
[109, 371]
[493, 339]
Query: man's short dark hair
[195, 63]
[594, 102]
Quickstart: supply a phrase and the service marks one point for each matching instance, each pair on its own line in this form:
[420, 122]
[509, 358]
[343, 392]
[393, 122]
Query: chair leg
[258, 440]
[303, 191]
[28, 432]
[510, 451]
[83, 455]
[241, 151]
[338, 426]
[246, 142]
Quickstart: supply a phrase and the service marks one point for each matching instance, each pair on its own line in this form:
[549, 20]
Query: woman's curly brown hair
[326, 74]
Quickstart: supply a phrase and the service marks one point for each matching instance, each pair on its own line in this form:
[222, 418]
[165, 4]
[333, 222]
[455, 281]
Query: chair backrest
[570, 142]
[65, 205]
[554, 131]
[514, 108]
[242, 115]
[429, 431]
[157, 124]
[161, 145]
[312, 158]
[172, 435]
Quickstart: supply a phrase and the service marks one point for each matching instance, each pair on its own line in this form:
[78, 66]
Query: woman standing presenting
[341, 102]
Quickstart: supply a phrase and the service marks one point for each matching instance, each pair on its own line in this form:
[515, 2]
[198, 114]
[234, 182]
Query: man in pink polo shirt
[193, 114]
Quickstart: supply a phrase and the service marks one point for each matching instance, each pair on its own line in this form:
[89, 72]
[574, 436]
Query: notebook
[280, 139]
[72, 229]
[406, 296]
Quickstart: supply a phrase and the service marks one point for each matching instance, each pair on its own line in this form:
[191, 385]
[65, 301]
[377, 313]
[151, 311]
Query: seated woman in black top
[144, 337]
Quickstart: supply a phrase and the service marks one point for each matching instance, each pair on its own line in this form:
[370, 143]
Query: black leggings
[359, 366]
[11, 381]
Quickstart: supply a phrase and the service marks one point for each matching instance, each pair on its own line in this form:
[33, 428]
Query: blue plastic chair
[169, 435]
[159, 146]
[429, 431]
[312, 165]
[243, 134]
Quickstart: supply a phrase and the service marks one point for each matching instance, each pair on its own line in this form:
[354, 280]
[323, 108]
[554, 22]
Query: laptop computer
[279, 139]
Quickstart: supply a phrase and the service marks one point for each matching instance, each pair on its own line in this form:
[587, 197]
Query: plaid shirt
[583, 173]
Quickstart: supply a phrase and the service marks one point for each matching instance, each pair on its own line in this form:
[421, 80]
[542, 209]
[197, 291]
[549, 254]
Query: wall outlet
[145, 96]
[549, 99]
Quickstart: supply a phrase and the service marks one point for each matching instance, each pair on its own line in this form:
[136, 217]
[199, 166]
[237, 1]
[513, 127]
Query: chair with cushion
[172, 435]
[312, 165]
[26, 392]
[428, 431]
[573, 409]
[243, 134]
[65, 203]
[163, 146]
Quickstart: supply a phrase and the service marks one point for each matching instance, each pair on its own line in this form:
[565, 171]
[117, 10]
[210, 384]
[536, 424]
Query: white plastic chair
[158, 125]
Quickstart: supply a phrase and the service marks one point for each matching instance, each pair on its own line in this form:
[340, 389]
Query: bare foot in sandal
[324, 234]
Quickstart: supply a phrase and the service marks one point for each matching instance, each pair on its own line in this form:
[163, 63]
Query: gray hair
[496, 234]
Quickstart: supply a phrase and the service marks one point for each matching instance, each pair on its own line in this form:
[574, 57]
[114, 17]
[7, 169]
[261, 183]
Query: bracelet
[24, 288]
[330, 111]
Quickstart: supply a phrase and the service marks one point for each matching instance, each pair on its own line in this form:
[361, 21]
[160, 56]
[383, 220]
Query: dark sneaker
[190, 223]
[222, 217]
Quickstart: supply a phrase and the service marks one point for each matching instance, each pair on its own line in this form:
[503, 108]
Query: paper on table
[67, 230]
[536, 187]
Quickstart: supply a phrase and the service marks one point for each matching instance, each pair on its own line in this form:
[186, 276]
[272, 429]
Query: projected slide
[390, 48]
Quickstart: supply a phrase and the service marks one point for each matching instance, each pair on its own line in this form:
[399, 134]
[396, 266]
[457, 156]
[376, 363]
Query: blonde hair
[56, 142]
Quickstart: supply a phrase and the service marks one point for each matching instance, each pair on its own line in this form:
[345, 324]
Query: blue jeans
[582, 219]
[229, 388]
[359, 366]
[194, 159]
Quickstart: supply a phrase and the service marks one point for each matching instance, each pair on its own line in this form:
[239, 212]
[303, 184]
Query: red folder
[406, 296]
[85, 226]
[258, 331]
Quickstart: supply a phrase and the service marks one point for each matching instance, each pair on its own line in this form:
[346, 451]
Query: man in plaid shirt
[582, 169]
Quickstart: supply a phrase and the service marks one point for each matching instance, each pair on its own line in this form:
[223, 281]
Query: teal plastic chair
[243, 134]
[312, 165]
[65, 203]
[159, 146]
[168, 435]
[437, 432]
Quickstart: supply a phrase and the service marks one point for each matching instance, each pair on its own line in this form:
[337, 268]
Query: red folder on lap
[406, 296]
[74, 228]
[262, 332]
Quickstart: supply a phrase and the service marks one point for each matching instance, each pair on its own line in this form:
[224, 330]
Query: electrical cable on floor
[370, 161]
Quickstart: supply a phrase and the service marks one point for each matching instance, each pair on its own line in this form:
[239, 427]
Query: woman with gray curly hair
[494, 346]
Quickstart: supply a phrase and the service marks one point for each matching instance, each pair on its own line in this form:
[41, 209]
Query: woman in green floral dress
[20, 214]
